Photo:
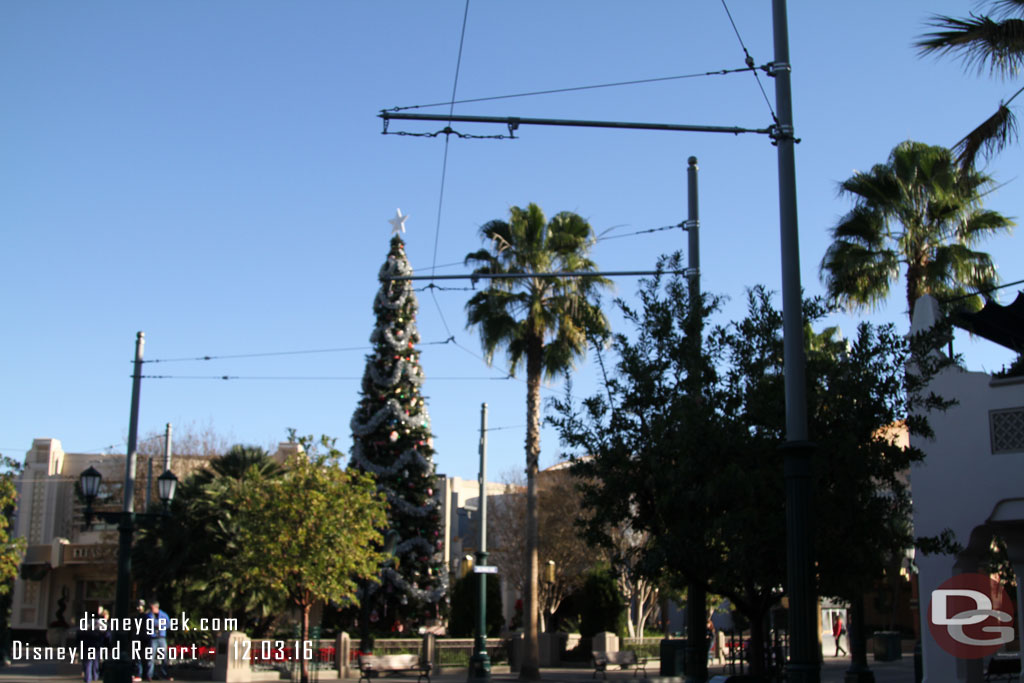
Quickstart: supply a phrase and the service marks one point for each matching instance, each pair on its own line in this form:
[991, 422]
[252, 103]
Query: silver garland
[409, 457]
[392, 408]
[400, 368]
[433, 595]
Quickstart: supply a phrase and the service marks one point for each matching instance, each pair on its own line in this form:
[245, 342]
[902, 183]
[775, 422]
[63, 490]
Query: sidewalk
[832, 671]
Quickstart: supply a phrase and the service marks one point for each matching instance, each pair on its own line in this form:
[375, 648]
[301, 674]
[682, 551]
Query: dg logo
[971, 616]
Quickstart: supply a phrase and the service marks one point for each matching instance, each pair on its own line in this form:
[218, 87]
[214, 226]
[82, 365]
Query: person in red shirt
[838, 631]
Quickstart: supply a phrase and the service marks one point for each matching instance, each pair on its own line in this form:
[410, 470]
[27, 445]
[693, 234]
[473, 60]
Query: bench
[1003, 668]
[371, 666]
[622, 659]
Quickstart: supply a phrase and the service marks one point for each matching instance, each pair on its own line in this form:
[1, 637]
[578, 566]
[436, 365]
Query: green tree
[464, 596]
[391, 439]
[993, 41]
[703, 470]
[310, 534]
[11, 549]
[543, 322]
[918, 215]
[188, 560]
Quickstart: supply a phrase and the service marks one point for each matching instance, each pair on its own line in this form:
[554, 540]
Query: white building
[971, 482]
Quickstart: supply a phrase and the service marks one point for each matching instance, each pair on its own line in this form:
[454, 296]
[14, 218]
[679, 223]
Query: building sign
[86, 553]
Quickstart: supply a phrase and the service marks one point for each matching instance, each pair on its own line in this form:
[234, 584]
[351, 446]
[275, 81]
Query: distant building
[460, 520]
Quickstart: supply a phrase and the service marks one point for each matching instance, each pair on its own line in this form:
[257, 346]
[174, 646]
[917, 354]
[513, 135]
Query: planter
[888, 646]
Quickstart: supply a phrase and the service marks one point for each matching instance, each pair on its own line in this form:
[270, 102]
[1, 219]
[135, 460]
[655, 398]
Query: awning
[1003, 325]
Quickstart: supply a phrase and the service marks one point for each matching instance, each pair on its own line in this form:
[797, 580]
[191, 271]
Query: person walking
[140, 666]
[159, 621]
[90, 644]
[838, 631]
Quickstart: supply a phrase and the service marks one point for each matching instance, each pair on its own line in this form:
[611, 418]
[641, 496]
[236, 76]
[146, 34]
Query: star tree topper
[398, 222]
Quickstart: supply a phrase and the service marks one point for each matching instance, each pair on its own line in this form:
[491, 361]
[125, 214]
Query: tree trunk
[304, 663]
[530, 669]
[757, 654]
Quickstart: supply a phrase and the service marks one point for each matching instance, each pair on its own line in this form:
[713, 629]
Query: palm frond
[1008, 8]
[991, 137]
[979, 40]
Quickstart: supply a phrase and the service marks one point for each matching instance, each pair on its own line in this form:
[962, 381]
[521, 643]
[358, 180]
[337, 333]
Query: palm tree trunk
[530, 669]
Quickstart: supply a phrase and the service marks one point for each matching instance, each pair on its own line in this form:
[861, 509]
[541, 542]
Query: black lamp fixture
[166, 484]
[90, 483]
[91, 479]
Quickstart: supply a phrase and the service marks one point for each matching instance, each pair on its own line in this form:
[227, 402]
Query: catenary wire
[301, 377]
[276, 353]
[749, 61]
[553, 91]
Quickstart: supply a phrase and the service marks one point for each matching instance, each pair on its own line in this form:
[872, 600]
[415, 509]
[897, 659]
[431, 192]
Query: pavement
[833, 671]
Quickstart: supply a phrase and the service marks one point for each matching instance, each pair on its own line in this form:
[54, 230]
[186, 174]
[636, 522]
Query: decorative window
[1007, 428]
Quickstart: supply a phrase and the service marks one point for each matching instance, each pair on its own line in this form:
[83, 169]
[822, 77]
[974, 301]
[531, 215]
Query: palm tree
[995, 41]
[919, 214]
[543, 322]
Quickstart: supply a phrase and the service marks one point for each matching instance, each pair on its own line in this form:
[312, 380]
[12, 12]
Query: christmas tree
[392, 440]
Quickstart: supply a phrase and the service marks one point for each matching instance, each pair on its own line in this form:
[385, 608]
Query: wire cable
[300, 377]
[277, 353]
[749, 61]
[447, 138]
[553, 91]
[639, 232]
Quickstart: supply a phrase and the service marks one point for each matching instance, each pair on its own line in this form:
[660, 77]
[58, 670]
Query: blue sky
[214, 174]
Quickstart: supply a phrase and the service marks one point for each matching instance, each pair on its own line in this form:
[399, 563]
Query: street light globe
[90, 482]
[166, 484]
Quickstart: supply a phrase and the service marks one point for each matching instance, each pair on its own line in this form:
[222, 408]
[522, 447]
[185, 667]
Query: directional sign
[485, 569]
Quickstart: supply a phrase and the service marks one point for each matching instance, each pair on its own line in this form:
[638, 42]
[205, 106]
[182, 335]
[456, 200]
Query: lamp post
[480, 662]
[119, 670]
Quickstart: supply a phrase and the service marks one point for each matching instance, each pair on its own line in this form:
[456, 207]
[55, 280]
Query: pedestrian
[142, 637]
[710, 634]
[158, 630]
[838, 631]
[103, 637]
[90, 662]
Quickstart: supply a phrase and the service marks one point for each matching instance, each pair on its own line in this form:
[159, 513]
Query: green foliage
[542, 322]
[463, 614]
[600, 604]
[685, 444]
[188, 560]
[11, 549]
[919, 214]
[391, 438]
[995, 41]
[310, 533]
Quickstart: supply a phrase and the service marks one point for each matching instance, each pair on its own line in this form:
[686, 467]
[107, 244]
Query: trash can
[673, 656]
[888, 647]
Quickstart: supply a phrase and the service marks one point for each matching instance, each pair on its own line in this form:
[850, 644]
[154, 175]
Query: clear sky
[214, 174]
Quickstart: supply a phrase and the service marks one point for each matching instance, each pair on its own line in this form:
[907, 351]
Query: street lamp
[127, 521]
[90, 481]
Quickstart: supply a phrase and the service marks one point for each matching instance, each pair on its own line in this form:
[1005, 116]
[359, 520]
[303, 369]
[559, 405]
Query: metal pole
[513, 122]
[804, 663]
[167, 448]
[120, 670]
[480, 662]
[696, 593]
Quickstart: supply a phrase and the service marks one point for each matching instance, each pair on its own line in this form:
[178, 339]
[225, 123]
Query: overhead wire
[553, 91]
[749, 61]
[299, 377]
[277, 353]
[444, 166]
[639, 232]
